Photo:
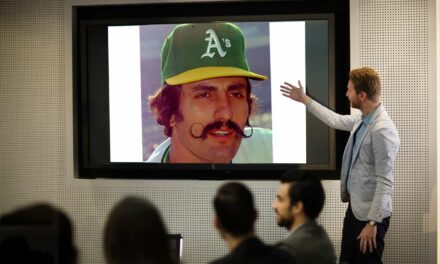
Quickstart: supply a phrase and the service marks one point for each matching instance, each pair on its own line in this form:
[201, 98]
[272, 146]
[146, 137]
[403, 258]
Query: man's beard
[287, 223]
[355, 104]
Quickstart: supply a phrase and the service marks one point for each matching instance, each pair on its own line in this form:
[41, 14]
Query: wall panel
[35, 132]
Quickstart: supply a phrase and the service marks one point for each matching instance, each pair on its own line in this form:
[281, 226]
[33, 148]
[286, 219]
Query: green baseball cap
[194, 52]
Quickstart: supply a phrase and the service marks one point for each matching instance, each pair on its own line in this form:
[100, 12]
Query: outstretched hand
[295, 93]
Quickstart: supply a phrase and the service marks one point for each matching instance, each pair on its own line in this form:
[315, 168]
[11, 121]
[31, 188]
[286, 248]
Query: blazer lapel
[366, 132]
[350, 149]
[359, 141]
[347, 162]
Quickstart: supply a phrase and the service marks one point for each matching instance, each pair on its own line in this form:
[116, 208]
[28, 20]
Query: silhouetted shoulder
[255, 251]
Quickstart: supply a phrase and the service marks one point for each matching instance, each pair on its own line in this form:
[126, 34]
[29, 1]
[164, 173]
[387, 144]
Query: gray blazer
[371, 169]
[309, 244]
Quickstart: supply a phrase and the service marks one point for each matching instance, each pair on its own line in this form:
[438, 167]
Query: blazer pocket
[369, 188]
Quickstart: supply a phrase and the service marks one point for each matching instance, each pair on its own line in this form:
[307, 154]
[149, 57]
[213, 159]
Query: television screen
[120, 74]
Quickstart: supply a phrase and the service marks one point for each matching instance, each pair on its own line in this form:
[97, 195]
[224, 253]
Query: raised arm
[329, 117]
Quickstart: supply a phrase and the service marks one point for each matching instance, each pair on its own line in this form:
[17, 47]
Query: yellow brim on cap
[204, 73]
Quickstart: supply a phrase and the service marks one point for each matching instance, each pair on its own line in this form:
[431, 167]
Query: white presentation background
[125, 94]
[287, 63]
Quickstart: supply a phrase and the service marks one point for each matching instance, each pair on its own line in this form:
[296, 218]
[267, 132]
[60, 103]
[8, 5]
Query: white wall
[397, 37]
[437, 152]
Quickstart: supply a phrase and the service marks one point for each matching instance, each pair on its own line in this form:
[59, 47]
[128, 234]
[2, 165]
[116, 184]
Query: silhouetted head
[234, 209]
[40, 223]
[135, 233]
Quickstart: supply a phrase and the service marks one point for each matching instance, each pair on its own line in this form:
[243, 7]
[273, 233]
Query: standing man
[367, 164]
[235, 216]
[205, 101]
[297, 205]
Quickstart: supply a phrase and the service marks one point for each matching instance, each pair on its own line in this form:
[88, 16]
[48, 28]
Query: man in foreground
[297, 205]
[235, 217]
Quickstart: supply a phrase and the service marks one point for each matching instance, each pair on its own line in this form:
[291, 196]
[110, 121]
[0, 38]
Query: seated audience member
[38, 233]
[135, 233]
[235, 217]
[297, 205]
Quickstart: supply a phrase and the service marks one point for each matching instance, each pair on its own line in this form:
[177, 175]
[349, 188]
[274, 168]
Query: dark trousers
[350, 248]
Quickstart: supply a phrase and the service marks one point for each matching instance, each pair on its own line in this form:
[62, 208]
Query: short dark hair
[306, 188]
[135, 233]
[234, 207]
[164, 103]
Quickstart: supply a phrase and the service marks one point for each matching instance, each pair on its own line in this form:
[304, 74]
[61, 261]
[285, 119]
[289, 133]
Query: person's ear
[363, 95]
[218, 226]
[216, 222]
[173, 120]
[298, 208]
[252, 105]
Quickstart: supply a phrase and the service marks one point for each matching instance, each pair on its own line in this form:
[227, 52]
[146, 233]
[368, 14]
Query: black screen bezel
[85, 18]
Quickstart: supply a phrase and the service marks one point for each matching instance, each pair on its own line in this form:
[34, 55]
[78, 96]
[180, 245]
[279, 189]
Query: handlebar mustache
[219, 124]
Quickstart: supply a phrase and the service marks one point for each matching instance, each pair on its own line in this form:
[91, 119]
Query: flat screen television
[117, 68]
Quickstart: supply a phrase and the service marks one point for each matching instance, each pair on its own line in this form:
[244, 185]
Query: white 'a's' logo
[214, 42]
